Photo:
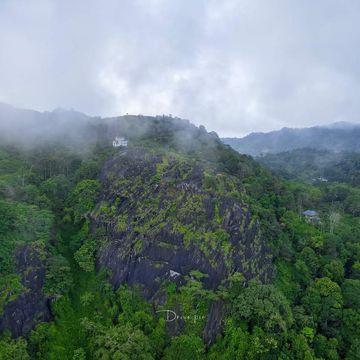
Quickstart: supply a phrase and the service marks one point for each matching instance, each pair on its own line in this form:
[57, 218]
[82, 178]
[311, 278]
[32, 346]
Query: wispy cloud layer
[234, 66]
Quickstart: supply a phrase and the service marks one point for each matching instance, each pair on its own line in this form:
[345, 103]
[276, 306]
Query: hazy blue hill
[340, 136]
[30, 127]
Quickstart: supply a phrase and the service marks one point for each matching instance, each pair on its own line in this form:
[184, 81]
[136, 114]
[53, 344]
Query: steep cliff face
[166, 215]
[31, 306]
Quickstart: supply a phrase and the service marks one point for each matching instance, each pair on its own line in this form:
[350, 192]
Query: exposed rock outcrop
[31, 306]
[170, 215]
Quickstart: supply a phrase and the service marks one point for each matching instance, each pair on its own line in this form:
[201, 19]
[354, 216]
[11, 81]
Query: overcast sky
[233, 66]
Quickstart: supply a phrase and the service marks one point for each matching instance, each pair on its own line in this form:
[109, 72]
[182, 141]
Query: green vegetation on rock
[111, 239]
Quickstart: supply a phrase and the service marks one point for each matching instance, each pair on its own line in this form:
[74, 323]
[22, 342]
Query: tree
[325, 348]
[38, 340]
[302, 272]
[10, 289]
[310, 258]
[238, 343]
[355, 270]
[58, 279]
[185, 347]
[334, 270]
[82, 198]
[352, 203]
[263, 306]
[85, 255]
[88, 170]
[79, 354]
[122, 342]
[299, 346]
[354, 351]
[324, 301]
[351, 293]
[56, 189]
[334, 219]
[11, 349]
[350, 329]
[7, 218]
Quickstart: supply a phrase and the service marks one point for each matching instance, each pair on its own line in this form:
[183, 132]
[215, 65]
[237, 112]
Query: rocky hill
[171, 204]
[168, 245]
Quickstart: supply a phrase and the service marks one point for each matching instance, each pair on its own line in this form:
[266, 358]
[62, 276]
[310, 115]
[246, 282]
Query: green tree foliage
[264, 306]
[85, 256]
[351, 293]
[10, 289]
[185, 347]
[22, 224]
[82, 198]
[56, 189]
[309, 309]
[58, 277]
[13, 349]
[334, 270]
[325, 348]
[123, 342]
[323, 300]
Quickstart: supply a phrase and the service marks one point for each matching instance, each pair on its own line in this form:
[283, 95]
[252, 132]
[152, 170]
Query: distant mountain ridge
[32, 127]
[340, 136]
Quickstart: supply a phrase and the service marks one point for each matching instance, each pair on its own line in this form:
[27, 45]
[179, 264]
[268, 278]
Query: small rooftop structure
[120, 141]
[311, 215]
[174, 274]
[321, 179]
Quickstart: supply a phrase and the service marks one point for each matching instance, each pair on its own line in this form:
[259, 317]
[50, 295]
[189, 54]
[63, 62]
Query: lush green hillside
[101, 246]
[336, 137]
[313, 165]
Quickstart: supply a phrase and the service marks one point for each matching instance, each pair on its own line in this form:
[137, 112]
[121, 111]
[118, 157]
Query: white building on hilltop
[119, 141]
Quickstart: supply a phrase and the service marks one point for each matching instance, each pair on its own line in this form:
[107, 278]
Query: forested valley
[100, 246]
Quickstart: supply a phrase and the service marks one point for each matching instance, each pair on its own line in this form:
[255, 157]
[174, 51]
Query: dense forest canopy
[311, 165]
[102, 245]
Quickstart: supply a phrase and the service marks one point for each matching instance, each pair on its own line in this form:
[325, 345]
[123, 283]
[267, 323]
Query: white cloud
[234, 66]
